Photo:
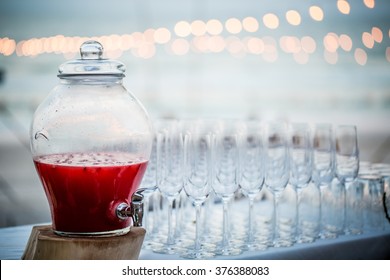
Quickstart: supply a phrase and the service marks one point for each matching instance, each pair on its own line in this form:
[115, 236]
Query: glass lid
[91, 63]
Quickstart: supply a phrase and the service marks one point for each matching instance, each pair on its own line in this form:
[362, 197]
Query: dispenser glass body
[90, 141]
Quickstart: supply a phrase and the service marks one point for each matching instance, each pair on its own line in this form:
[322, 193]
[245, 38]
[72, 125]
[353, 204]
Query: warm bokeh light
[250, 24]
[331, 42]
[57, 42]
[369, 3]
[331, 57]
[112, 43]
[144, 50]
[162, 35]
[216, 44]
[360, 56]
[127, 42]
[198, 28]
[200, 44]
[308, 44]
[19, 46]
[345, 42]
[207, 39]
[235, 46]
[233, 25]
[316, 13]
[33, 47]
[343, 7]
[293, 17]
[180, 46]
[148, 35]
[290, 44]
[182, 28]
[139, 38]
[293, 44]
[255, 45]
[66, 47]
[7, 46]
[214, 27]
[368, 40]
[27, 49]
[377, 34]
[46, 44]
[388, 54]
[116, 39]
[271, 21]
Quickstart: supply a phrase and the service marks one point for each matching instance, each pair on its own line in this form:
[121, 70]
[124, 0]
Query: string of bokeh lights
[207, 37]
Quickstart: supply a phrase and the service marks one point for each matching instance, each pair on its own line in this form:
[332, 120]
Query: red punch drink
[84, 190]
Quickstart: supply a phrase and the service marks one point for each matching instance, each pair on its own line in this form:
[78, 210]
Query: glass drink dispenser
[91, 141]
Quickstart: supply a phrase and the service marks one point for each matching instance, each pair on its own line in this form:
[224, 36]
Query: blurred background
[299, 60]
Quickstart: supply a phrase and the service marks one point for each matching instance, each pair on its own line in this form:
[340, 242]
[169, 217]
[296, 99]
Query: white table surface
[13, 241]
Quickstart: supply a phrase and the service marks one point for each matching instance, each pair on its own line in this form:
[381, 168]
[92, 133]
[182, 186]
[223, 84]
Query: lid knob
[91, 63]
[91, 50]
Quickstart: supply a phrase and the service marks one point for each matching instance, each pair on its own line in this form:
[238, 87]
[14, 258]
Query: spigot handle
[135, 210]
[137, 204]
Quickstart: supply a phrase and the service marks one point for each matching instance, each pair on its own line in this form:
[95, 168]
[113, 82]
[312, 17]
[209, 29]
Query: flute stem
[198, 221]
[225, 229]
[250, 225]
[171, 239]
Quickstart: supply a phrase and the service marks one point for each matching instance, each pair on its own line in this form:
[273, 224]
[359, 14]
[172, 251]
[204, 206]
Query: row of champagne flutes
[205, 164]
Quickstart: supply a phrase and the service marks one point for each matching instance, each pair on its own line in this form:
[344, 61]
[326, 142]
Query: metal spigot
[135, 210]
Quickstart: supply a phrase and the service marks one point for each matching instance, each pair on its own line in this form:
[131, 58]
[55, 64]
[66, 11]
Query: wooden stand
[44, 244]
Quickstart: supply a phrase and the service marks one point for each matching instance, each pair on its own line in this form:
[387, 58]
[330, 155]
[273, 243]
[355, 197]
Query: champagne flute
[169, 174]
[276, 171]
[347, 168]
[225, 177]
[251, 177]
[300, 176]
[197, 180]
[323, 177]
